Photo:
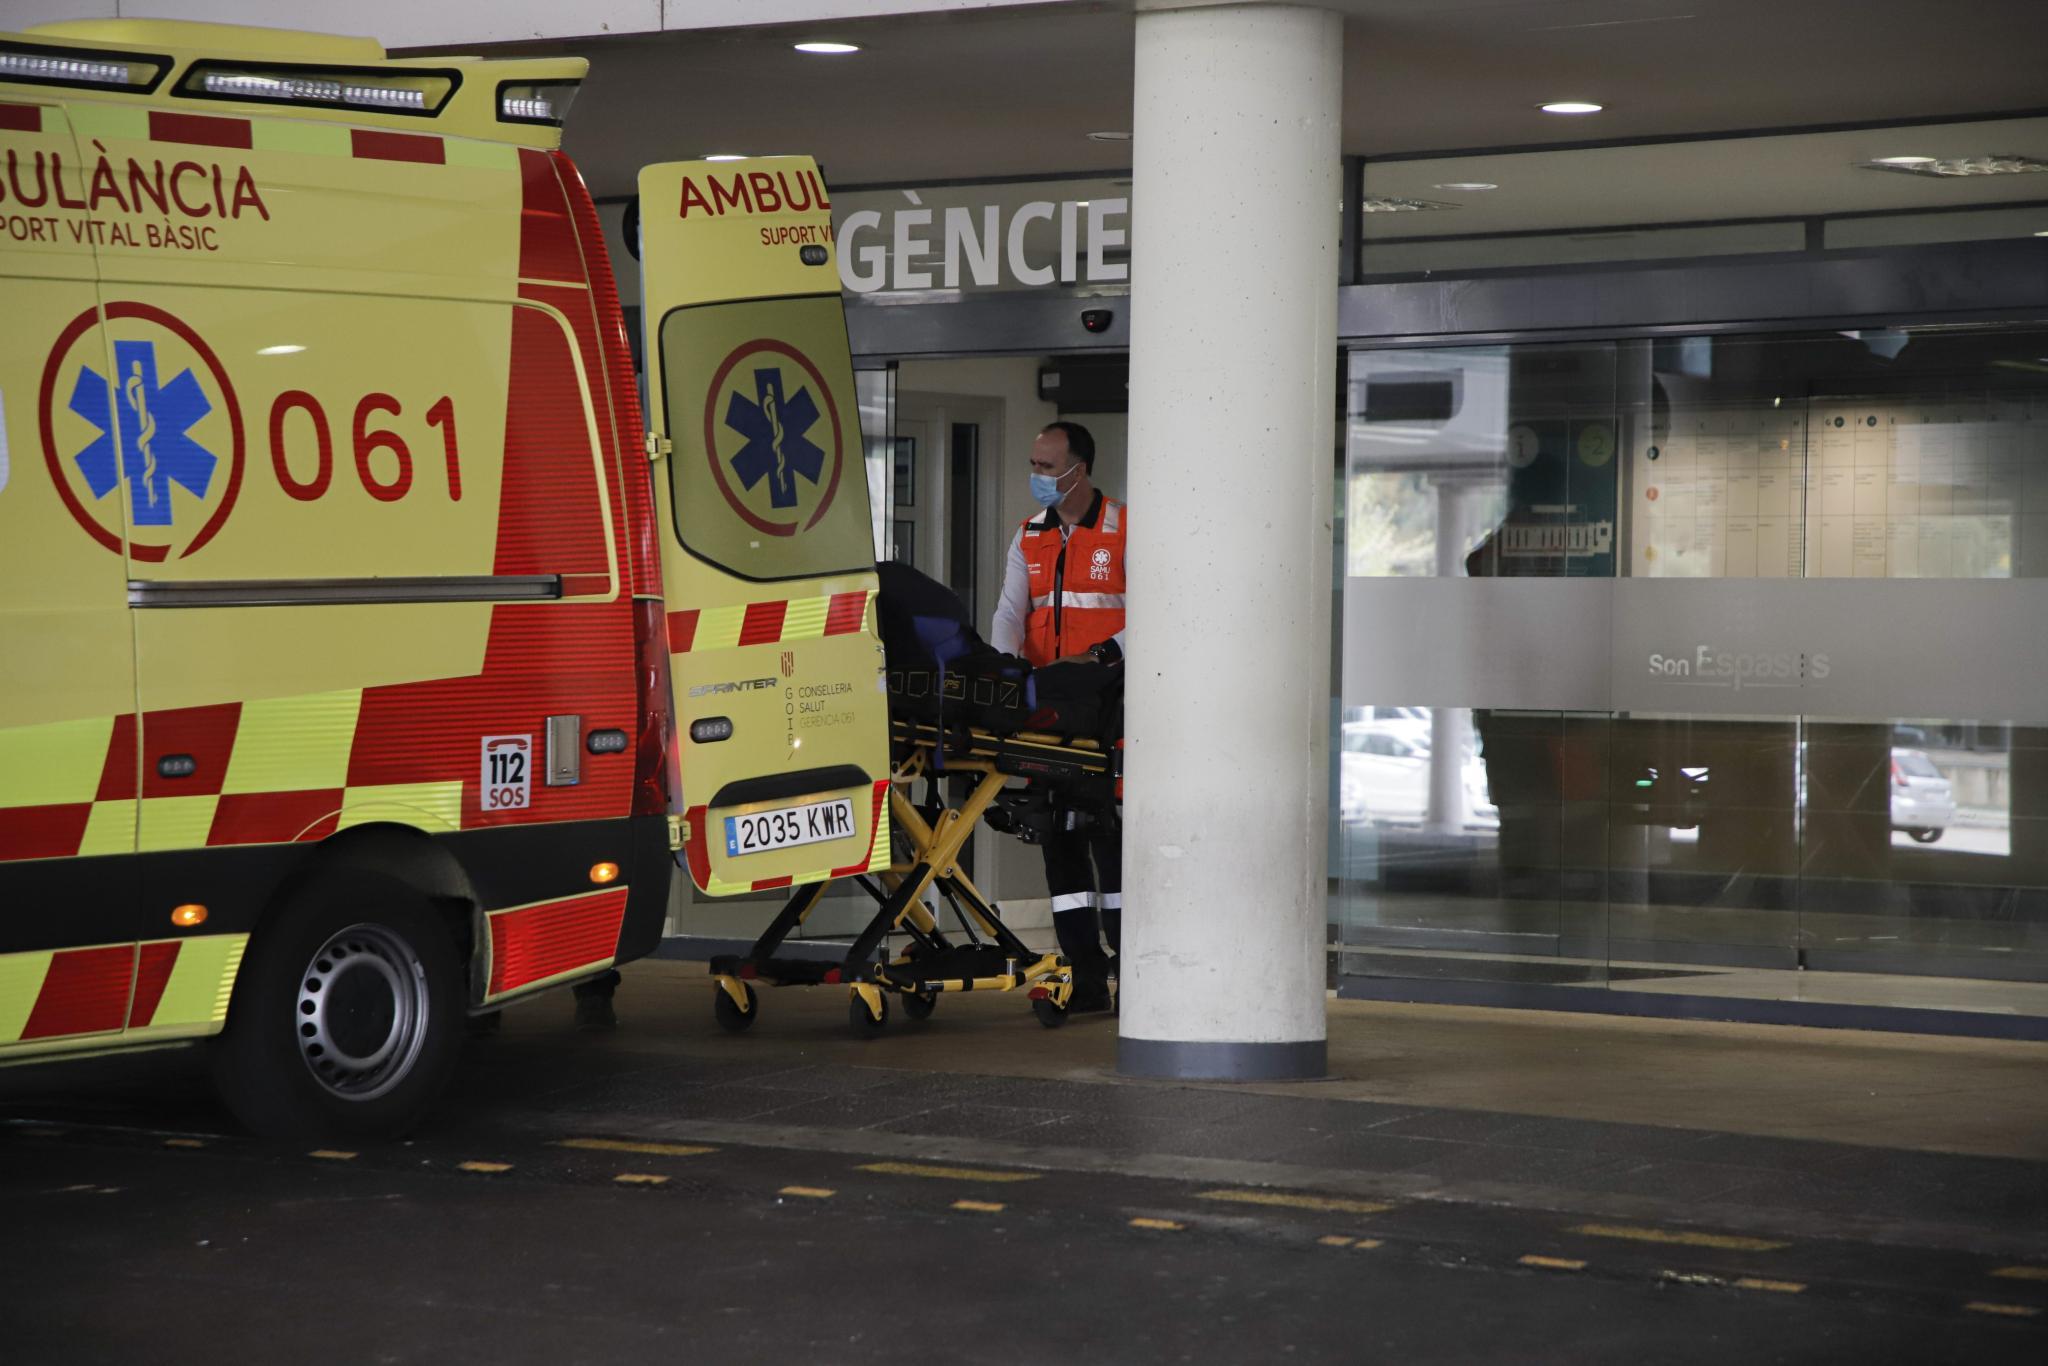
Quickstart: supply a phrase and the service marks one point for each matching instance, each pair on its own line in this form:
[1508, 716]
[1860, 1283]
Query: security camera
[1097, 319]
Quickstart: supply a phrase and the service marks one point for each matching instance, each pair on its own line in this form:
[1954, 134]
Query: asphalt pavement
[667, 1192]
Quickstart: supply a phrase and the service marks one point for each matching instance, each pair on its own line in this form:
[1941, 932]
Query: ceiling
[999, 93]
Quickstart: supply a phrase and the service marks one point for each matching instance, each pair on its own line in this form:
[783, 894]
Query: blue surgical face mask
[1046, 488]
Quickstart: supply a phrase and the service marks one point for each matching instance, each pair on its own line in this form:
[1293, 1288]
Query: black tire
[1924, 836]
[1050, 1015]
[919, 1005]
[731, 1018]
[347, 1015]
[864, 1024]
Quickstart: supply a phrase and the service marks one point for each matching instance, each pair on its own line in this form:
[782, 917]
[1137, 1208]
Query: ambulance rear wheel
[347, 1015]
[731, 1018]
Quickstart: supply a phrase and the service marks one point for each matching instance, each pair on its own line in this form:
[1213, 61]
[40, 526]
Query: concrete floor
[1470, 1186]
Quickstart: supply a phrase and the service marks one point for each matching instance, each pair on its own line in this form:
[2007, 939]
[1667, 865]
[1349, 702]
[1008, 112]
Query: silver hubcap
[362, 1012]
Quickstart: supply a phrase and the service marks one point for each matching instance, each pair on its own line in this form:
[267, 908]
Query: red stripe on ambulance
[84, 992]
[622, 396]
[538, 942]
[152, 975]
[763, 624]
[547, 237]
[200, 130]
[376, 145]
[275, 817]
[21, 118]
[43, 831]
[682, 630]
[845, 613]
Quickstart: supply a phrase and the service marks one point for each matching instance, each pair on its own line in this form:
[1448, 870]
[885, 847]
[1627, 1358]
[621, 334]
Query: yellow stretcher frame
[932, 964]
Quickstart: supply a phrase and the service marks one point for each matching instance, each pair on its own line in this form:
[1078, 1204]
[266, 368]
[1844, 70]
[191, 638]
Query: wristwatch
[1107, 652]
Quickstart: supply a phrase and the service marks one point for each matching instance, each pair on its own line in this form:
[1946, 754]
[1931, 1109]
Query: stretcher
[1069, 778]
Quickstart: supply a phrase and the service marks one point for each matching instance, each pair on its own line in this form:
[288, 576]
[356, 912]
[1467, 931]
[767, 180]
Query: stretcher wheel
[919, 1005]
[864, 1022]
[731, 1018]
[1050, 1015]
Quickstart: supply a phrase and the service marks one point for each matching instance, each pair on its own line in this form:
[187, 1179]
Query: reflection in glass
[1727, 843]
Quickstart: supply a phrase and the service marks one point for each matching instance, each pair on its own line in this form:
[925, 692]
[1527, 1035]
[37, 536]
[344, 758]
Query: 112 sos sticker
[505, 776]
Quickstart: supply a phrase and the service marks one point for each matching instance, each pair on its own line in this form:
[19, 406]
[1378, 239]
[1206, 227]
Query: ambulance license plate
[813, 823]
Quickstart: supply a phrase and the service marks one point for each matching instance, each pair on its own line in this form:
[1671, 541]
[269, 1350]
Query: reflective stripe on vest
[1088, 600]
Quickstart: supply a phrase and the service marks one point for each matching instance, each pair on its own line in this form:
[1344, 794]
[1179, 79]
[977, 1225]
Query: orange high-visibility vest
[1077, 581]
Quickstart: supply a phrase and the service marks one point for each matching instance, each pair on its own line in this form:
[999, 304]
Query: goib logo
[775, 452]
[150, 456]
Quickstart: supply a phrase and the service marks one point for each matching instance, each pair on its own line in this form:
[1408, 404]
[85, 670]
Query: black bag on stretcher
[941, 670]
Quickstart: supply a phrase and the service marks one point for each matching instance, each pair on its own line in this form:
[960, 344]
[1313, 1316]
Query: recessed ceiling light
[1952, 168]
[725, 156]
[1109, 137]
[1391, 203]
[1467, 185]
[2042, 233]
[827, 49]
[1571, 107]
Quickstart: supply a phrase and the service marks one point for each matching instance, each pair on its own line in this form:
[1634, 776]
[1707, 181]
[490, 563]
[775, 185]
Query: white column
[1233, 363]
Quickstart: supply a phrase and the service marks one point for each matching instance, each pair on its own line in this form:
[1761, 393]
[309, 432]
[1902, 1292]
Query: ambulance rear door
[767, 546]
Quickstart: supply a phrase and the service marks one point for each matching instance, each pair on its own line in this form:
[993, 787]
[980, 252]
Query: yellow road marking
[332, 1155]
[640, 1179]
[1552, 1263]
[1335, 1240]
[945, 1173]
[979, 1206]
[1323, 1204]
[1777, 1287]
[2011, 1311]
[184, 1143]
[809, 1192]
[486, 1166]
[1162, 1225]
[1365, 1245]
[620, 1145]
[1729, 1241]
[2023, 1273]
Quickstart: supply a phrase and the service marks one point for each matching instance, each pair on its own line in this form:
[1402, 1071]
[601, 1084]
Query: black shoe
[1091, 992]
[594, 1014]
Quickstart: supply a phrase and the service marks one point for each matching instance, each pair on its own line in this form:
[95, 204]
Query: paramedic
[1063, 601]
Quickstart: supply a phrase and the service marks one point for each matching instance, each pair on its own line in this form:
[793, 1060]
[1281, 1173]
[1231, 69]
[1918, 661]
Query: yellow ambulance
[364, 663]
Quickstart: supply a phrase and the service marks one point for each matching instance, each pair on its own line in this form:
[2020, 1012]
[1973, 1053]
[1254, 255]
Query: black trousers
[1084, 871]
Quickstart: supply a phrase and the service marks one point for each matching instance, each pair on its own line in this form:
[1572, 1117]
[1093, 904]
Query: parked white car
[1383, 775]
[1923, 799]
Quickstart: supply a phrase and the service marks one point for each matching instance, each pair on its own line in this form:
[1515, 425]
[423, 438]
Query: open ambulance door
[767, 550]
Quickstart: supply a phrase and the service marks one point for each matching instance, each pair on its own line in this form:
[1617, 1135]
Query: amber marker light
[188, 915]
[601, 873]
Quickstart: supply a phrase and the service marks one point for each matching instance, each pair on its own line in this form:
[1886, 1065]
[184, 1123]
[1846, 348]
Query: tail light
[657, 764]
